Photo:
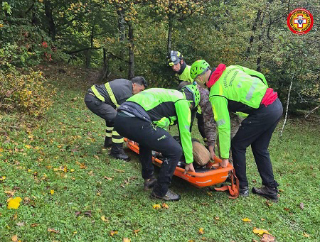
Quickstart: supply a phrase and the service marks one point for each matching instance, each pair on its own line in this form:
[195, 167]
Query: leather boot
[117, 152]
[107, 142]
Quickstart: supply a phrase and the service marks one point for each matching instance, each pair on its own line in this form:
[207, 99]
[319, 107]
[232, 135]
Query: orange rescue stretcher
[210, 175]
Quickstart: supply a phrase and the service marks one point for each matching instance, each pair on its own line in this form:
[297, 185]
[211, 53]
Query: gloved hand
[163, 123]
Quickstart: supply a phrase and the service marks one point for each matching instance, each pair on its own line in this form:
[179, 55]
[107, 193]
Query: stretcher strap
[233, 188]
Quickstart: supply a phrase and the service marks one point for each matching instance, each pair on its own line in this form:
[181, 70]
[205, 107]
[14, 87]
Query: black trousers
[151, 138]
[103, 110]
[256, 130]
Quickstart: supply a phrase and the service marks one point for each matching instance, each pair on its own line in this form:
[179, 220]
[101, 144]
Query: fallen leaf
[104, 219]
[108, 178]
[120, 171]
[126, 240]
[15, 216]
[77, 213]
[269, 204]
[201, 231]
[53, 231]
[113, 232]
[164, 205]
[20, 224]
[2, 178]
[14, 238]
[246, 220]
[302, 206]
[34, 225]
[88, 214]
[306, 235]
[268, 238]
[9, 193]
[14, 203]
[136, 231]
[156, 206]
[286, 209]
[209, 194]
[216, 218]
[260, 231]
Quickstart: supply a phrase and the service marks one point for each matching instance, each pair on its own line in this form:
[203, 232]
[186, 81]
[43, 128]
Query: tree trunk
[88, 52]
[254, 27]
[51, 25]
[122, 33]
[170, 29]
[131, 52]
[105, 68]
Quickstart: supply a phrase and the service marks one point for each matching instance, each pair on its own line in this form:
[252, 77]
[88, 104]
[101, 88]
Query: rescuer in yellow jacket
[239, 89]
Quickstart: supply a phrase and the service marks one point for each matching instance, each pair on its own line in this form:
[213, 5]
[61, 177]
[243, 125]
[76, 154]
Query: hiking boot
[117, 152]
[244, 191]
[107, 142]
[149, 183]
[267, 192]
[170, 196]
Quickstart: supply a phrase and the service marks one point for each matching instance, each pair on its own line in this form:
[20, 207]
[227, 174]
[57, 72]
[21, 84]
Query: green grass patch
[72, 190]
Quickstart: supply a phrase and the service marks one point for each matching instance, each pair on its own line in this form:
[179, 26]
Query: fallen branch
[287, 108]
[311, 111]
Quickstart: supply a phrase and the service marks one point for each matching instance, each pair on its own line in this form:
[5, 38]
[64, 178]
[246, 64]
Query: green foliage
[28, 93]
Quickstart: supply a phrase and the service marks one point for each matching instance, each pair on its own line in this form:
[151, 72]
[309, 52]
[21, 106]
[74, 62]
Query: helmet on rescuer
[174, 57]
[198, 67]
[195, 94]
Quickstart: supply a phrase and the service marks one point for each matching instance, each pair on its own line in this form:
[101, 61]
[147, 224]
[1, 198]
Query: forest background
[124, 38]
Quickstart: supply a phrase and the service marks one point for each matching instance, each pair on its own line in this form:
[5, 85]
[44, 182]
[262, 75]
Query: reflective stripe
[109, 135]
[111, 95]
[109, 128]
[252, 89]
[109, 131]
[98, 95]
[116, 138]
[221, 122]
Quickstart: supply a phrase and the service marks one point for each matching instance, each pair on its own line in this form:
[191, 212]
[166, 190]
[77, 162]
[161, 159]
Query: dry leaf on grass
[201, 231]
[14, 203]
[260, 231]
[126, 240]
[302, 206]
[164, 205]
[246, 220]
[113, 232]
[14, 238]
[104, 219]
[53, 231]
[268, 238]
[156, 206]
[306, 235]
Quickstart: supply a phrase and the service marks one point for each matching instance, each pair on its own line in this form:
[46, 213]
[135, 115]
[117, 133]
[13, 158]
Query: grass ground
[72, 191]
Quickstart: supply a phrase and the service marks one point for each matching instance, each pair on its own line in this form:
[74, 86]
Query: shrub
[28, 93]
